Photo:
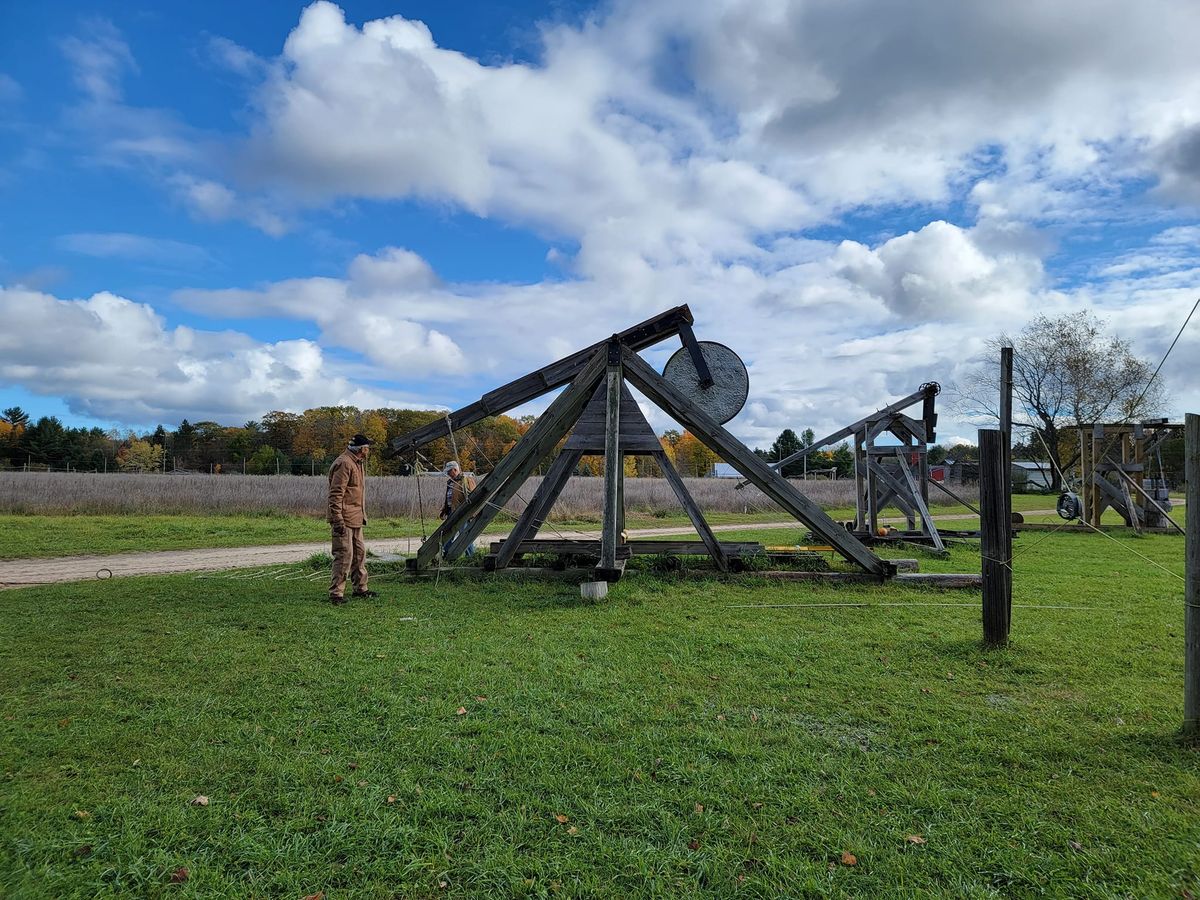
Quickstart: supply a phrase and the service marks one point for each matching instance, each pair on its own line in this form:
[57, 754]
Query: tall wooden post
[995, 529]
[614, 465]
[1191, 590]
[1006, 398]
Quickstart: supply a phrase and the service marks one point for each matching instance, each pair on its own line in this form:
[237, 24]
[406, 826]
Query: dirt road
[16, 573]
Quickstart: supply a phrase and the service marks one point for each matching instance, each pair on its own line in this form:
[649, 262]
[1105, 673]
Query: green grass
[694, 749]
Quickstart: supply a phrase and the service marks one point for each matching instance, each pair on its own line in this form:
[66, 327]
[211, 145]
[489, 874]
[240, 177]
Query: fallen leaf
[756, 805]
[180, 875]
[338, 779]
[720, 718]
[1154, 793]
[362, 784]
[1075, 845]
[699, 807]
[379, 656]
[319, 895]
[461, 711]
[81, 814]
[80, 852]
[870, 792]
[391, 798]
[561, 819]
[200, 800]
[916, 839]
[352, 766]
[572, 830]
[693, 844]
[443, 885]
[753, 717]
[926, 691]
[480, 699]
[849, 859]
[63, 723]
[1186, 894]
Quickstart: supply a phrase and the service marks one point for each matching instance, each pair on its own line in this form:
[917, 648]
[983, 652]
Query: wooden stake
[1006, 400]
[1191, 591]
[995, 538]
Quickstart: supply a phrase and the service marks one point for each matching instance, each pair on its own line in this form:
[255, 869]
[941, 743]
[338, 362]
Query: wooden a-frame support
[601, 415]
[877, 485]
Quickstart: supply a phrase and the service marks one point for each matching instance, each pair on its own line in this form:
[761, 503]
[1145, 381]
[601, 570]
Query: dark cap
[361, 440]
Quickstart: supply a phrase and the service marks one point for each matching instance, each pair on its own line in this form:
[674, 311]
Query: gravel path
[16, 573]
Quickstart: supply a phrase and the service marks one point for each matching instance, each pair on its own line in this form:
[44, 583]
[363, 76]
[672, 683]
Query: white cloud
[111, 358]
[100, 60]
[121, 245]
[10, 89]
[378, 311]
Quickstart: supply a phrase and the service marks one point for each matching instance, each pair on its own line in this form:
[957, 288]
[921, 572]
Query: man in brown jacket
[347, 516]
[458, 488]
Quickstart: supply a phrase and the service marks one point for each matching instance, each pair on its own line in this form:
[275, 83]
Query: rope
[1168, 353]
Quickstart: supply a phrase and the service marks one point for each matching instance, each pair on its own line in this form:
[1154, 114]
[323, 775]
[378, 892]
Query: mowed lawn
[29, 536]
[513, 740]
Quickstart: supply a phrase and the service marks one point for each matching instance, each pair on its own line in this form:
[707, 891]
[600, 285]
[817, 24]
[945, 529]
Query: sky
[210, 211]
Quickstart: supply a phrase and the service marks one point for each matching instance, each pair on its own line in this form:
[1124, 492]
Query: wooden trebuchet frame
[1116, 466]
[602, 417]
[889, 474]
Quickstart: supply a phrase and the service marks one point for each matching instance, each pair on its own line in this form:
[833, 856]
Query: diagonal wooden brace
[734, 452]
[495, 490]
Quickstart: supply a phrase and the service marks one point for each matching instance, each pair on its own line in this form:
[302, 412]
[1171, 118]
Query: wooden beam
[926, 518]
[942, 580]
[536, 442]
[715, 550]
[698, 361]
[1165, 514]
[614, 462]
[539, 507]
[937, 484]
[556, 374]
[1131, 512]
[589, 547]
[734, 452]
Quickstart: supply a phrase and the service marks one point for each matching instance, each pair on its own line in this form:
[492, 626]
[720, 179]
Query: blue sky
[215, 210]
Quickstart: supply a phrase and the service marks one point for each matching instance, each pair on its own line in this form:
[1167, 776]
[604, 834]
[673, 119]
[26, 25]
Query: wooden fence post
[995, 529]
[1191, 590]
[1006, 399]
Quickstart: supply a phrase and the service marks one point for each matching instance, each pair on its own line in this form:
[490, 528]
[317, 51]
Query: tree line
[295, 443]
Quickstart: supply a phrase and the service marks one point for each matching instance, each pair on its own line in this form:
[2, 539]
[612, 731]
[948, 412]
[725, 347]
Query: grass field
[512, 740]
[66, 535]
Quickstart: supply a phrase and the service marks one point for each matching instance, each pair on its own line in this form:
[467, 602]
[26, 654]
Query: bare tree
[1067, 371]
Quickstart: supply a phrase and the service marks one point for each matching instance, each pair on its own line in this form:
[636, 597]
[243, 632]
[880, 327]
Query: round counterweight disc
[726, 396]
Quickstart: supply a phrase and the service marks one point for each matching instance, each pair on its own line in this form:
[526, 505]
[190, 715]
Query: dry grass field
[402, 497]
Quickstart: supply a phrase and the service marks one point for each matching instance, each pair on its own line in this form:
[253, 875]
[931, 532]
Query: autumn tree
[139, 456]
[1067, 371]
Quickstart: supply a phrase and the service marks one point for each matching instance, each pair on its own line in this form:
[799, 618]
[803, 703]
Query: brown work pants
[349, 559]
